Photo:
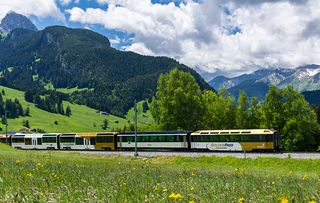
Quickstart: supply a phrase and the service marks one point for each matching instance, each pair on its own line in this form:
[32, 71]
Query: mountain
[313, 97]
[14, 20]
[303, 78]
[78, 58]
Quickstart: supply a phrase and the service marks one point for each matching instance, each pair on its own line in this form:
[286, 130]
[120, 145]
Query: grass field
[143, 117]
[83, 119]
[38, 176]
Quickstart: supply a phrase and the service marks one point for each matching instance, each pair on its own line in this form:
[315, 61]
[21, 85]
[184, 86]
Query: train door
[86, 143]
[34, 142]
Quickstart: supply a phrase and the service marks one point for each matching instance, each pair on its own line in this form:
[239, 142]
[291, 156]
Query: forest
[180, 104]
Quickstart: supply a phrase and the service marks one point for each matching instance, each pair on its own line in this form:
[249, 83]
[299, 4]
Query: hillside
[83, 119]
[69, 58]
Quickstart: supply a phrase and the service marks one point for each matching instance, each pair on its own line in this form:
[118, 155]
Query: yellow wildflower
[241, 200]
[18, 161]
[29, 174]
[175, 196]
[164, 189]
[155, 188]
[273, 183]
[284, 200]
[192, 201]
[305, 177]
[312, 201]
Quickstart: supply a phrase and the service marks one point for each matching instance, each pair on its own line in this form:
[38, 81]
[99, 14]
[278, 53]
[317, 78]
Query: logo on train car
[223, 146]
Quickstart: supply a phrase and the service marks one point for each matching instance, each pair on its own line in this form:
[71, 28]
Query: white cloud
[272, 33]
[39, 8]
[67, 2]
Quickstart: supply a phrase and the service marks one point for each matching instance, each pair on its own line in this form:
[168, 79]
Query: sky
[229, 37]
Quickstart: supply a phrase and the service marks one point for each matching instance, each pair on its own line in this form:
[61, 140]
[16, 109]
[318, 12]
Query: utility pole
[135, 129]
[6, 123]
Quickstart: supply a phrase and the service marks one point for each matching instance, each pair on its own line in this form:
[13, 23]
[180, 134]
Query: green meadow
[83, 118]
[40, 176]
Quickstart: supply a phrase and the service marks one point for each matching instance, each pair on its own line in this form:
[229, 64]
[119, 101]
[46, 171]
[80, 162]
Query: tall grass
[71, 177]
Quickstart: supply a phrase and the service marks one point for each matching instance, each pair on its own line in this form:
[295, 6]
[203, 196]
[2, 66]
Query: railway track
[152, 154]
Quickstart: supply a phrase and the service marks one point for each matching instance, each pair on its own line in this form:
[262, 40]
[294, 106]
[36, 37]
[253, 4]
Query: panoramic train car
[75, 141]
[154, 140]
[4, 139]
[25, 141]
[98, 140]
[35, 141]
[236, 140]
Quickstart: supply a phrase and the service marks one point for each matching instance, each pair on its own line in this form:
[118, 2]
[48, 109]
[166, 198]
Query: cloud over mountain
[39, 8]
[216, 34]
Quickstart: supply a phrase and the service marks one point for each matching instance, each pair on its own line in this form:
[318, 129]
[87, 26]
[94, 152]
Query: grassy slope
[72, 177]
[143, 118]
[81, 120]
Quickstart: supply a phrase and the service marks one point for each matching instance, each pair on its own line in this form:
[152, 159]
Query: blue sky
[230, 37]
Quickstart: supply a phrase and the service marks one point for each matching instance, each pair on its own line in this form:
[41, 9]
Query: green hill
[83, 118]
[71, 59]
[142, 117]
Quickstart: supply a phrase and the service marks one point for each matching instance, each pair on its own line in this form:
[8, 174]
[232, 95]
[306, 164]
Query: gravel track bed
[150, 154]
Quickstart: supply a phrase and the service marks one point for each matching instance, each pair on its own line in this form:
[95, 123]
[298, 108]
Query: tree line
[52, 101]
[181, 105]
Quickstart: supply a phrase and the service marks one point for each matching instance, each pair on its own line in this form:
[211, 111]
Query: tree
[145, 107]
[243, 113]
[178, 102]
[28, 95]
[105, 124]
[27, 112]
[289, 112]
[68, 111]
[219, 110]
[25, 123]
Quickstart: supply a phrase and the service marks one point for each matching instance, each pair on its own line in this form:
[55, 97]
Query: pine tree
[68, 111]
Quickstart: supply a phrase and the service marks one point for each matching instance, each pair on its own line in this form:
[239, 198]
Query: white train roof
[234, 131]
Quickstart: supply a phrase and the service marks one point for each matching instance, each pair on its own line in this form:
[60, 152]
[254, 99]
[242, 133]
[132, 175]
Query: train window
[234, 138]
[49, 139]
[214, 138]
[162, 138]
[224, 132]
[18, 140]
[171, 138]
[129, 139]
[66, 139]
[214, 133]
[246, 138]
[104, 139]
[269, 138]
[145, 138]
[92, 140]
[224, 138]
[153, 138]
[27, 141]
[79, 141]
[39, 140]
[262, 138]
[204, 133]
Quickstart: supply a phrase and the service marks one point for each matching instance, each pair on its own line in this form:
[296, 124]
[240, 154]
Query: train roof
[155, 133]
[234, 131]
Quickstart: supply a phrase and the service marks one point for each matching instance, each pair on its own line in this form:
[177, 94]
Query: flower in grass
[175, 196]
[164, 189]
[312, 201]
[194, 173]
[241, 200]
[192, 201]
[305, 177]
[284, 200]
[29, 175]
[18, 161]
[155, 188]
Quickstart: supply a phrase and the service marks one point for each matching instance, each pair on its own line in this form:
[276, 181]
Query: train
[203, 140]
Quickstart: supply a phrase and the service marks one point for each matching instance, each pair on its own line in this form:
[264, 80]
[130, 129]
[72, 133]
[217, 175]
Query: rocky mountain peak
[14, 20]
